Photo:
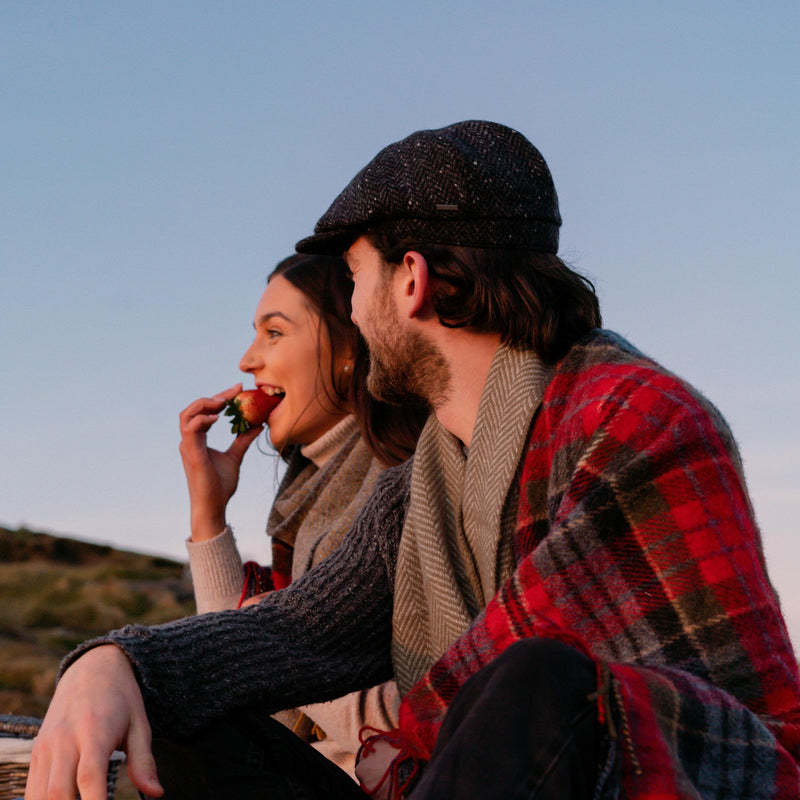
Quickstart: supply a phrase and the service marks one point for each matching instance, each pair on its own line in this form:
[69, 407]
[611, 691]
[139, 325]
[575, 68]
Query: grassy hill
[56, 592]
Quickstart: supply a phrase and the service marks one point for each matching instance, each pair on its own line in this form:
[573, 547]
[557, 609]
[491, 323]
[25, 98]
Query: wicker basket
[16, 741]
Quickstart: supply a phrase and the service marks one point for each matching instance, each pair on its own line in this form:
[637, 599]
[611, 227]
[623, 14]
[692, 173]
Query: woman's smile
[291, 356]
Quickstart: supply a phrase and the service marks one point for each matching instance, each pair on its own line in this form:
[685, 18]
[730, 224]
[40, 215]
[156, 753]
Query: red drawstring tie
[403, 769]
[257, 579]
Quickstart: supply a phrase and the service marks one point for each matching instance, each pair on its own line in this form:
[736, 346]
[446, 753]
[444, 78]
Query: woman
[337, 440]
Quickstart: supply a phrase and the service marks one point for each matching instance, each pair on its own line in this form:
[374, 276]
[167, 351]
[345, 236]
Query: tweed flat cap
[474, 183]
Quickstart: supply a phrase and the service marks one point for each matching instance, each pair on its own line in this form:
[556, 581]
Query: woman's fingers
[206, 406]
[196, 420]
[256, 598]
[199, 423]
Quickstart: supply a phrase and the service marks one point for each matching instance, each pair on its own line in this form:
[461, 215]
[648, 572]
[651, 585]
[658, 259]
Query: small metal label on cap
[446, 207]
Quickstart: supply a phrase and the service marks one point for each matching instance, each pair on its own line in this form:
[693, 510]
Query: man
[567, 583]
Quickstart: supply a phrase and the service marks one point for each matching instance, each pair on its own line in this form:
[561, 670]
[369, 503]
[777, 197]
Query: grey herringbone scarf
[457, 543]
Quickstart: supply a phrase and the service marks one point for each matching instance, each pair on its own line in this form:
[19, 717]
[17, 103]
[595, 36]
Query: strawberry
[250, 408]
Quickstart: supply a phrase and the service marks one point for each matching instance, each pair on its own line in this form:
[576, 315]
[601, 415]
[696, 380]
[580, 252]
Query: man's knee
[541, 670]
[529, 719]
[534, 682]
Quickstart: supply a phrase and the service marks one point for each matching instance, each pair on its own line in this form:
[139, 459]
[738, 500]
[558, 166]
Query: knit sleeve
[217, 572]
[327, 634]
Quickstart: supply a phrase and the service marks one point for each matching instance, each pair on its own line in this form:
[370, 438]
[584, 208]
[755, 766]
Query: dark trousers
[249, 756]
[525, 726]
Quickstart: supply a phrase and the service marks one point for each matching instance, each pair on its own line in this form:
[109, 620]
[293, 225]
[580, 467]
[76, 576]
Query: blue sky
[158, 158]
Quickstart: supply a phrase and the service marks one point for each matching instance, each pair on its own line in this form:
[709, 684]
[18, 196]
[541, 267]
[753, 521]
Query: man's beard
[405, 366]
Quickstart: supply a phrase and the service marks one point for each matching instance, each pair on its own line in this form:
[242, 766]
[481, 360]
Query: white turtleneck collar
[325, 447]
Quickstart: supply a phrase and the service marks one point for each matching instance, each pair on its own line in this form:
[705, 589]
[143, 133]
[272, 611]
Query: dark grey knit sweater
[327, 634]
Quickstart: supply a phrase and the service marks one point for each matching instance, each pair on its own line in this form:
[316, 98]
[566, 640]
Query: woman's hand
[212, 475]
[256, 598]
[97, 708]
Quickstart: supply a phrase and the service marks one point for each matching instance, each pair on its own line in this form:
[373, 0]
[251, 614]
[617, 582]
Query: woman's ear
[415, 283]
[343, 368]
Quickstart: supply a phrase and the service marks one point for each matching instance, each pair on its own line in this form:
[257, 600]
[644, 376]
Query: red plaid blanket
[635, 538]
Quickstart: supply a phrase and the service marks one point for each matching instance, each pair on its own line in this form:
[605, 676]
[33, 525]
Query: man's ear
[415, 287]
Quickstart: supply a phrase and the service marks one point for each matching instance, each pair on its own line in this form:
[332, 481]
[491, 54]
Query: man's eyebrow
[265, 318]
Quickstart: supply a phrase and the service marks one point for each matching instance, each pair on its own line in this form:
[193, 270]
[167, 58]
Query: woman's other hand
[256, 598]
[212, 475]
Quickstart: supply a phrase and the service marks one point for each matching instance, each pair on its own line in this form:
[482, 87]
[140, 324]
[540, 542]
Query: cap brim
[329, 243]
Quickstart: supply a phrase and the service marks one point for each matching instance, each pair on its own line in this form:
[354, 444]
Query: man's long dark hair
[533, 300]
[390, 432]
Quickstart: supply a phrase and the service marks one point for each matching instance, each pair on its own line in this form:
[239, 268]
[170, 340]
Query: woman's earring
[347, 368]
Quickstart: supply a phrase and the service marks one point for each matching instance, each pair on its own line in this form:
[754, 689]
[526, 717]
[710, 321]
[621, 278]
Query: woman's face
[291, 356]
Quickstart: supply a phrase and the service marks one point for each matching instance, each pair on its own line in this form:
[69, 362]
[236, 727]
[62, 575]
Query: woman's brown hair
[389, 431]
